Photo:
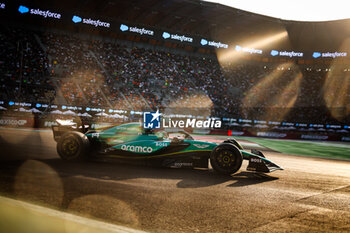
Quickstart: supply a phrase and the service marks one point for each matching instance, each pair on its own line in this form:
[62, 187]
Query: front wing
[258, 162]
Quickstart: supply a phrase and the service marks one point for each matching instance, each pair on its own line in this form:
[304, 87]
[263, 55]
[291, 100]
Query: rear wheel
[226, 159]
[73, 146]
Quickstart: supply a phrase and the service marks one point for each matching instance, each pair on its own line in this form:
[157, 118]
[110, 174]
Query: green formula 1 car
[133, 143]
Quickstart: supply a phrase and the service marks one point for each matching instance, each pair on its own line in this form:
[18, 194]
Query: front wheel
[226, 159]
[73, 146]
[234, 142]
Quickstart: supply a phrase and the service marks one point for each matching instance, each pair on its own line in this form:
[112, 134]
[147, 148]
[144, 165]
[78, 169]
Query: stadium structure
[170, 116]
[254, 72]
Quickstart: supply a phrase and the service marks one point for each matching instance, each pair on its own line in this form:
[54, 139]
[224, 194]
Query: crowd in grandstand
[66, 69]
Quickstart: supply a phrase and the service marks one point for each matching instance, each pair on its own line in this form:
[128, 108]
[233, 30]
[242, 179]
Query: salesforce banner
[141, 31]
[44, 13]
[182, 38]
[93, 22]
[218, 45]
[238, 48]
[328, 54]
[174, 37]
[162, 35]
[286, 53]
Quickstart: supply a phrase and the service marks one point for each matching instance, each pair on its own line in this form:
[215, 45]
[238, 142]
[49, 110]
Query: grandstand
[60, 66]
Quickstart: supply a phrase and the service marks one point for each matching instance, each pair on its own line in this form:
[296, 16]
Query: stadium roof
[298, 10]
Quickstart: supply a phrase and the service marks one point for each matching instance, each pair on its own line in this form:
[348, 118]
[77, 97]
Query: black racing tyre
[226, 159]
[73, 146]
[234, 142]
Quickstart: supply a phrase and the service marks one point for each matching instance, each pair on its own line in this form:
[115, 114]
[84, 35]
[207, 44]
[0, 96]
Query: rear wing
[66, 126]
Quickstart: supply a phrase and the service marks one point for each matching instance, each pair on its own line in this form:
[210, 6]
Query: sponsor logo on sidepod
[144, 149]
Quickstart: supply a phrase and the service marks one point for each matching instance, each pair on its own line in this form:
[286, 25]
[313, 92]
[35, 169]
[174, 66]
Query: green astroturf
[309, 148]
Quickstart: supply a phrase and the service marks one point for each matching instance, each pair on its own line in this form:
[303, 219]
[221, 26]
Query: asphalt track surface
[310, 195]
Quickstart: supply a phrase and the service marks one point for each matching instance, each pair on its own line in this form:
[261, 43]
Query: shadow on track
[105, 190]
[114, 171]
[190, 178]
